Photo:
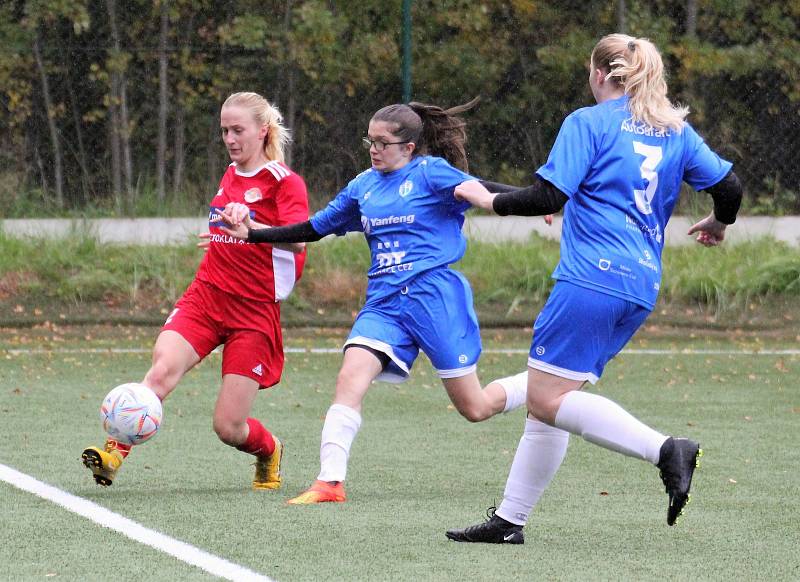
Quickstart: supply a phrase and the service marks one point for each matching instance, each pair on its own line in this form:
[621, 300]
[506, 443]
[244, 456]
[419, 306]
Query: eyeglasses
[379, 145]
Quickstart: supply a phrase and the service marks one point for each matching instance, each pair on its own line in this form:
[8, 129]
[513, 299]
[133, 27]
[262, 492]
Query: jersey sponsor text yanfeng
[408, 219]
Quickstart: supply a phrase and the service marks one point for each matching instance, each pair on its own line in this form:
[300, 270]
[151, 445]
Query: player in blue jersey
[616, 169]
[405, 206]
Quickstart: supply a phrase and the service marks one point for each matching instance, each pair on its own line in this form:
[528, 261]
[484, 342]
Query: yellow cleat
[268, 469]
[104, 463]
[320, 492]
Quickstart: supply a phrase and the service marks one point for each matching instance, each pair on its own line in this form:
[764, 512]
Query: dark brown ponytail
[435, 131]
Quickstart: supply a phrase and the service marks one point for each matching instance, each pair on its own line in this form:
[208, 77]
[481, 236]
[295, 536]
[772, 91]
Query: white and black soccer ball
[131, 413]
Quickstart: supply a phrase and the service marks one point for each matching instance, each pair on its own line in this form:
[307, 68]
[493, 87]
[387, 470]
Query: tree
[163, 107]
[121, 158]
[50, 113]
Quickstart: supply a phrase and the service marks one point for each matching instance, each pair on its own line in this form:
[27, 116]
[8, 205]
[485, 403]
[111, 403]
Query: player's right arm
[554, 183]
[538, 199]
[341, 215]
[240, 226]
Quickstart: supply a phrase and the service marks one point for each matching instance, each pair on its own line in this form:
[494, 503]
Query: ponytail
[636, 65]
[443, 133]
[435, 131]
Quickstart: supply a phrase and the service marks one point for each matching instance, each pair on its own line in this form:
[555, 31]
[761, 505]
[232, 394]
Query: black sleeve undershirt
[538, 199]
[544, 198]
[292, 233]
[727, 196]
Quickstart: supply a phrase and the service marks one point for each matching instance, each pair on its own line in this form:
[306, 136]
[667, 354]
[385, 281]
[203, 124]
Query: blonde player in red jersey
[235, 296]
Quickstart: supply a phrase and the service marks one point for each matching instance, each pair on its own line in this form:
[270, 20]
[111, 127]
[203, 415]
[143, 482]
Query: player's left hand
[710, 231]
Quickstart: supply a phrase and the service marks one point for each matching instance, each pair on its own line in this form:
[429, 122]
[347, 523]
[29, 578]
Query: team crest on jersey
[367, 195]
[405, 188]
[253, 195]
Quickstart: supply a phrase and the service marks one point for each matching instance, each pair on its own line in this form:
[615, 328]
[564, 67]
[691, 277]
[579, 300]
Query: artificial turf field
[417, 468]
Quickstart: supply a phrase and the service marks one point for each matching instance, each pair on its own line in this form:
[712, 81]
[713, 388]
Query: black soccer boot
[495, 530]
[677, 461]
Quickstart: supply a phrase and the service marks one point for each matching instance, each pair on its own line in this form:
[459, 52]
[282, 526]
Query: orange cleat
[320, 492]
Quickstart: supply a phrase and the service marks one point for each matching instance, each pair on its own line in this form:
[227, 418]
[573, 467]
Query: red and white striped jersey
[276, 196]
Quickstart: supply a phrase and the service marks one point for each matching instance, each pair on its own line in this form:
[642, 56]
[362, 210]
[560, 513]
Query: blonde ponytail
[635, 64]
[264, 113]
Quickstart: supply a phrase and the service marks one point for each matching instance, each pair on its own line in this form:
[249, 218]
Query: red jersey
[276, 196]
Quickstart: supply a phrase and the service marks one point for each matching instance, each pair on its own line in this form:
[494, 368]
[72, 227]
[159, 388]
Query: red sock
[259, 440]
[121, 447]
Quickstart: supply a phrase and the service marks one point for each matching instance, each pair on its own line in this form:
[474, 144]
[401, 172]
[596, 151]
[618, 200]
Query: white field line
[106, 518]
[632, 351]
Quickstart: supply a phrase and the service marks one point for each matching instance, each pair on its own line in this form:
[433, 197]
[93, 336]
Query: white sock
[516, 388]
[539, 455]
[338, 432]
[606, 423]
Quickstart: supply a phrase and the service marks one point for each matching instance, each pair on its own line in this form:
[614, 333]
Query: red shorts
[251, 331]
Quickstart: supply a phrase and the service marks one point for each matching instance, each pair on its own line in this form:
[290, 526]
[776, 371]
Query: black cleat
[494, 530]
[677, 462]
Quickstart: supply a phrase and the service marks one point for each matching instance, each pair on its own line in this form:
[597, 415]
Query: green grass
[78, 278]
[78, 269]
[416, 469]
[36, 203]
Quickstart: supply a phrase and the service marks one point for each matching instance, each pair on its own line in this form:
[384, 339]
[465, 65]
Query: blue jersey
[623, 179]
[410, 218]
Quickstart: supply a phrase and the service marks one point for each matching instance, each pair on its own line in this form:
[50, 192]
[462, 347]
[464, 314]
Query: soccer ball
[131, 413]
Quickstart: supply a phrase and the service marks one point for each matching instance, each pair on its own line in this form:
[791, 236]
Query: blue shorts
[433, 313]
[579, 330]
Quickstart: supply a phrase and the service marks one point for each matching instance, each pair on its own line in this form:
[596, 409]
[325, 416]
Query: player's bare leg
[173, 356]
[476, 403]
[236, 428]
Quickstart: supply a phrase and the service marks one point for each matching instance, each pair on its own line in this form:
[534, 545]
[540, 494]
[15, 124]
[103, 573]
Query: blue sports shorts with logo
[433, 313]
[579, 330]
